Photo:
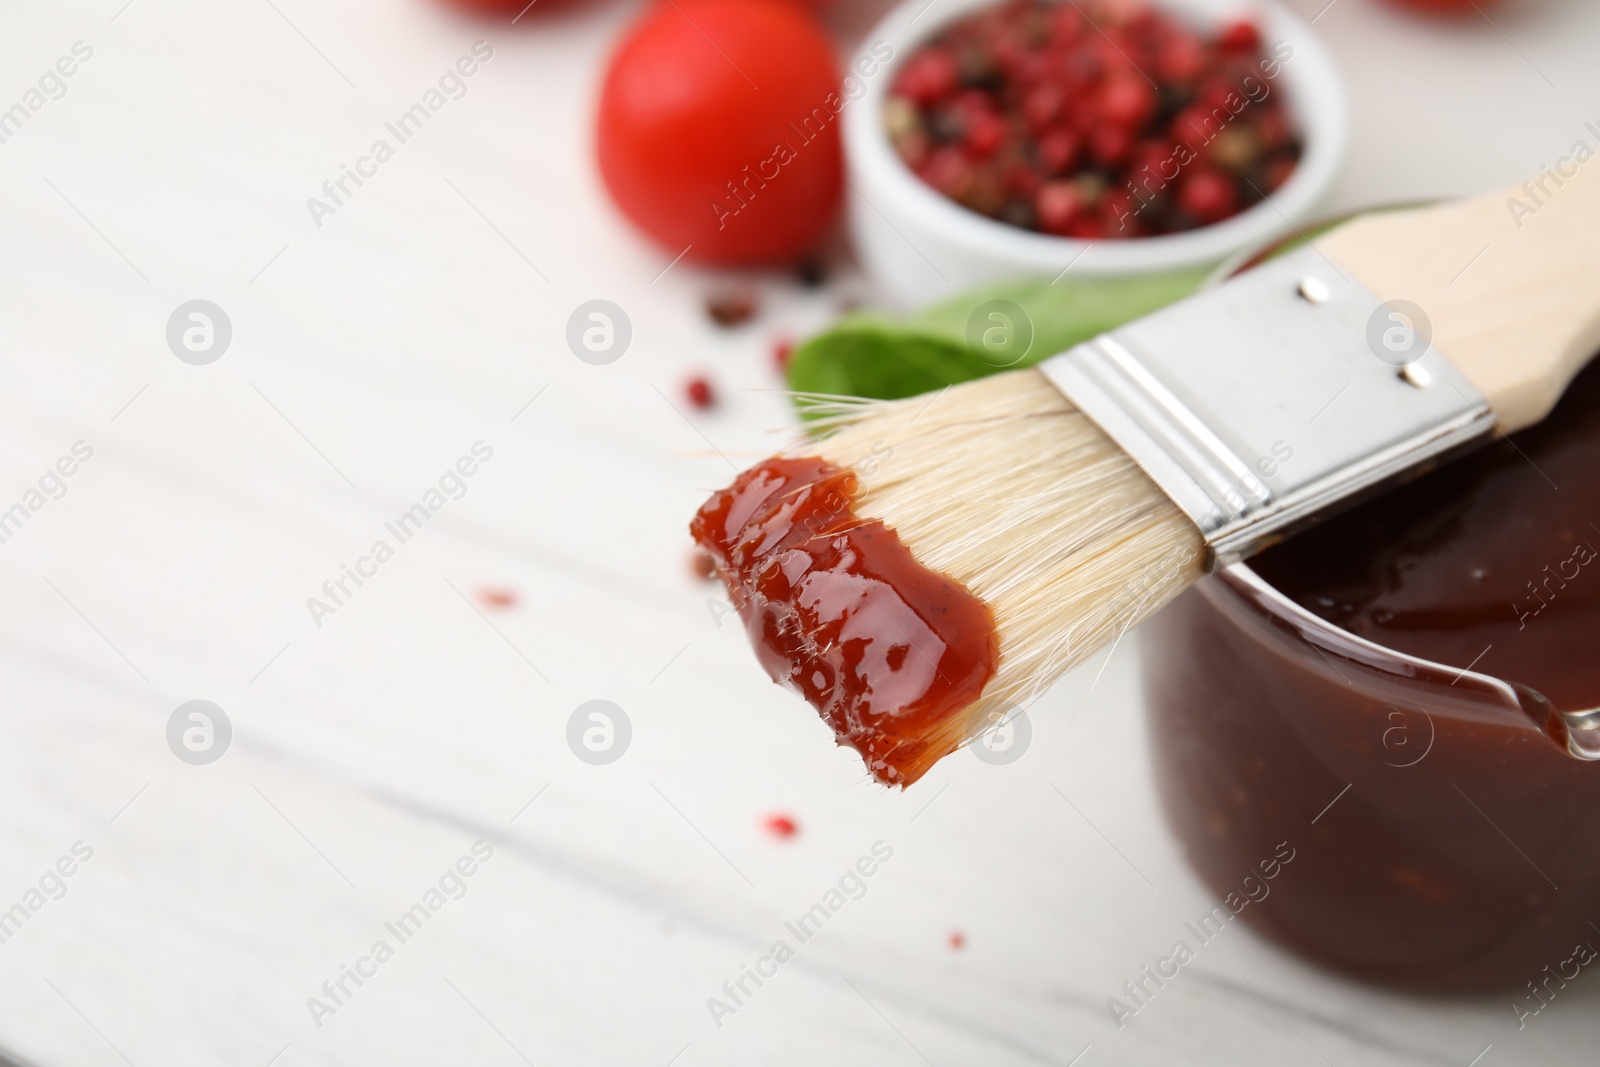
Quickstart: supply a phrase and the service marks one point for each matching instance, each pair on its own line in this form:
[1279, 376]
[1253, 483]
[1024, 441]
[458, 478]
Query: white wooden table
[371, 752]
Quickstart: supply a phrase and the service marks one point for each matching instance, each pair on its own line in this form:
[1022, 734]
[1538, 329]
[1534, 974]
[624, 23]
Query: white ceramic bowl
[920, 246]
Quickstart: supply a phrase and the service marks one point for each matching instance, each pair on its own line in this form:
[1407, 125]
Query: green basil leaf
[888, 358]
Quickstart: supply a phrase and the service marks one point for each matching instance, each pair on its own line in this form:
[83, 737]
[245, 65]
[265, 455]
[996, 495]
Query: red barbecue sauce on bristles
[837, 608]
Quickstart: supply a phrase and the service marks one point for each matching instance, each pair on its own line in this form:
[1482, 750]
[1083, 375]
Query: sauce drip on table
[888, 651]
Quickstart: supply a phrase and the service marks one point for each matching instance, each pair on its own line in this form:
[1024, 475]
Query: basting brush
[929, 565]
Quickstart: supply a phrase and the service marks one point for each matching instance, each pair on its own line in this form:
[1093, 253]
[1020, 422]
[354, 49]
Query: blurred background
[595, 880]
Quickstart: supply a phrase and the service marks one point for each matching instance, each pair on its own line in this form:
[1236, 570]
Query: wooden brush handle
[1510, 282]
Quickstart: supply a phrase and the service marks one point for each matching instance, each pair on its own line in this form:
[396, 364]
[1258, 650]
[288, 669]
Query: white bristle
[1003, 485]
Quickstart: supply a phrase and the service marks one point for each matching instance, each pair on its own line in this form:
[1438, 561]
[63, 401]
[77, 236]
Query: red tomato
[719, 129]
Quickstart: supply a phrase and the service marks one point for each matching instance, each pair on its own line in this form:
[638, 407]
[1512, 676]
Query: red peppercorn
[1194, 126]
[1087, 228]
[1057, 204]
[1110, 146]
[1058, 150]
[1180, 59]
[1111, 50]
[732, 305]
[1030, 68]
[1144, 22]
[1009, 51]
[781, 826]
[781, 351]
[1023, 180]
[1042, 105]
[949, 171]
[958, 940]
[986, 132]
[974, 100]
[700, 394]
[497, 597]
[1082, 67]
[929, 77]
[1208, 194]
[1216, 94]
[1127, 101]
[1240, 36]
[1067, 24]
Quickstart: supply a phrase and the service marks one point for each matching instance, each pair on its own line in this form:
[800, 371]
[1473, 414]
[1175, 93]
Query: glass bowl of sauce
[1406, 695]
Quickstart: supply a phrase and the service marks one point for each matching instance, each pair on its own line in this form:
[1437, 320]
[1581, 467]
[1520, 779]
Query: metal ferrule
[1261, 404]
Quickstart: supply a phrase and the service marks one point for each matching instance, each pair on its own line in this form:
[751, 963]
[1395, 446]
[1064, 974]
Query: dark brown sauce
[1445, 839]
[1490, 561]
[888, 651]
